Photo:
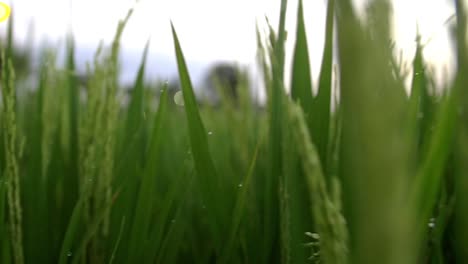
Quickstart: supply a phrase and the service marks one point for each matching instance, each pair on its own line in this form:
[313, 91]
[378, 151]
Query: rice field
[364, 170]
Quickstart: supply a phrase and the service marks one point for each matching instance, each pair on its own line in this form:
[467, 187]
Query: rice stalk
[12, 156]
[326, 211]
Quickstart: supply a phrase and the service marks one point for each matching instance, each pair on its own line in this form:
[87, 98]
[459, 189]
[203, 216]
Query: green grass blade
[238, 211]
[3, 224]
[73, 105]
[426, 186]
[421, 107]
[144, 203]
[373, 160]
[322, 111]
[117, 243]
[71, 233]
[439, 226]
[136, 107]
[461, 150]
[301, 86]
[296, 216]
[204, 166]
[157, 247]
[91, 231]
[262, 51]
[170, 246]
[271, 199]
[279, 47]
[416, 99]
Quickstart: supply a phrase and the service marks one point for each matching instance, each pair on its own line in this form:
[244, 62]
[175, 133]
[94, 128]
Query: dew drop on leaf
[179, 99]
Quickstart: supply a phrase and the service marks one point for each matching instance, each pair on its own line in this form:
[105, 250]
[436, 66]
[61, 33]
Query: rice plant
[365, 170]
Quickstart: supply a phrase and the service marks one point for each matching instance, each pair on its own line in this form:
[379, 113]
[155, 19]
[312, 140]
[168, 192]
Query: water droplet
[240, 185]
[210, 133]
[313, 235]
[69, 254]
[179, 98]
[431, 223]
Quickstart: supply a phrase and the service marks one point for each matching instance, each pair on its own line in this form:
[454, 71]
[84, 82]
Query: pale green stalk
[326, 211]
[12, 153]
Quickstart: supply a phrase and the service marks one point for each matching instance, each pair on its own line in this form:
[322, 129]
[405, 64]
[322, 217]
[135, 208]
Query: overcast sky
[216, 29]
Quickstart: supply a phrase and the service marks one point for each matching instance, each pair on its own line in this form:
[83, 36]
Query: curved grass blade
[428, 180]
[117, 243]
[238, 211]
[438, 228]
[436, 149]
[171, 201]
[71, 232]
[204, 166]
[172, 242]
[145, 201]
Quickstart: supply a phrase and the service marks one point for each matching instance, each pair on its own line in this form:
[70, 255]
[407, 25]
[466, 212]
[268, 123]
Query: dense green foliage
[375, 175]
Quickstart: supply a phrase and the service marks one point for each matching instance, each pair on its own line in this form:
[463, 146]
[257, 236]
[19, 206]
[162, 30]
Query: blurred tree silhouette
[224, 80]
